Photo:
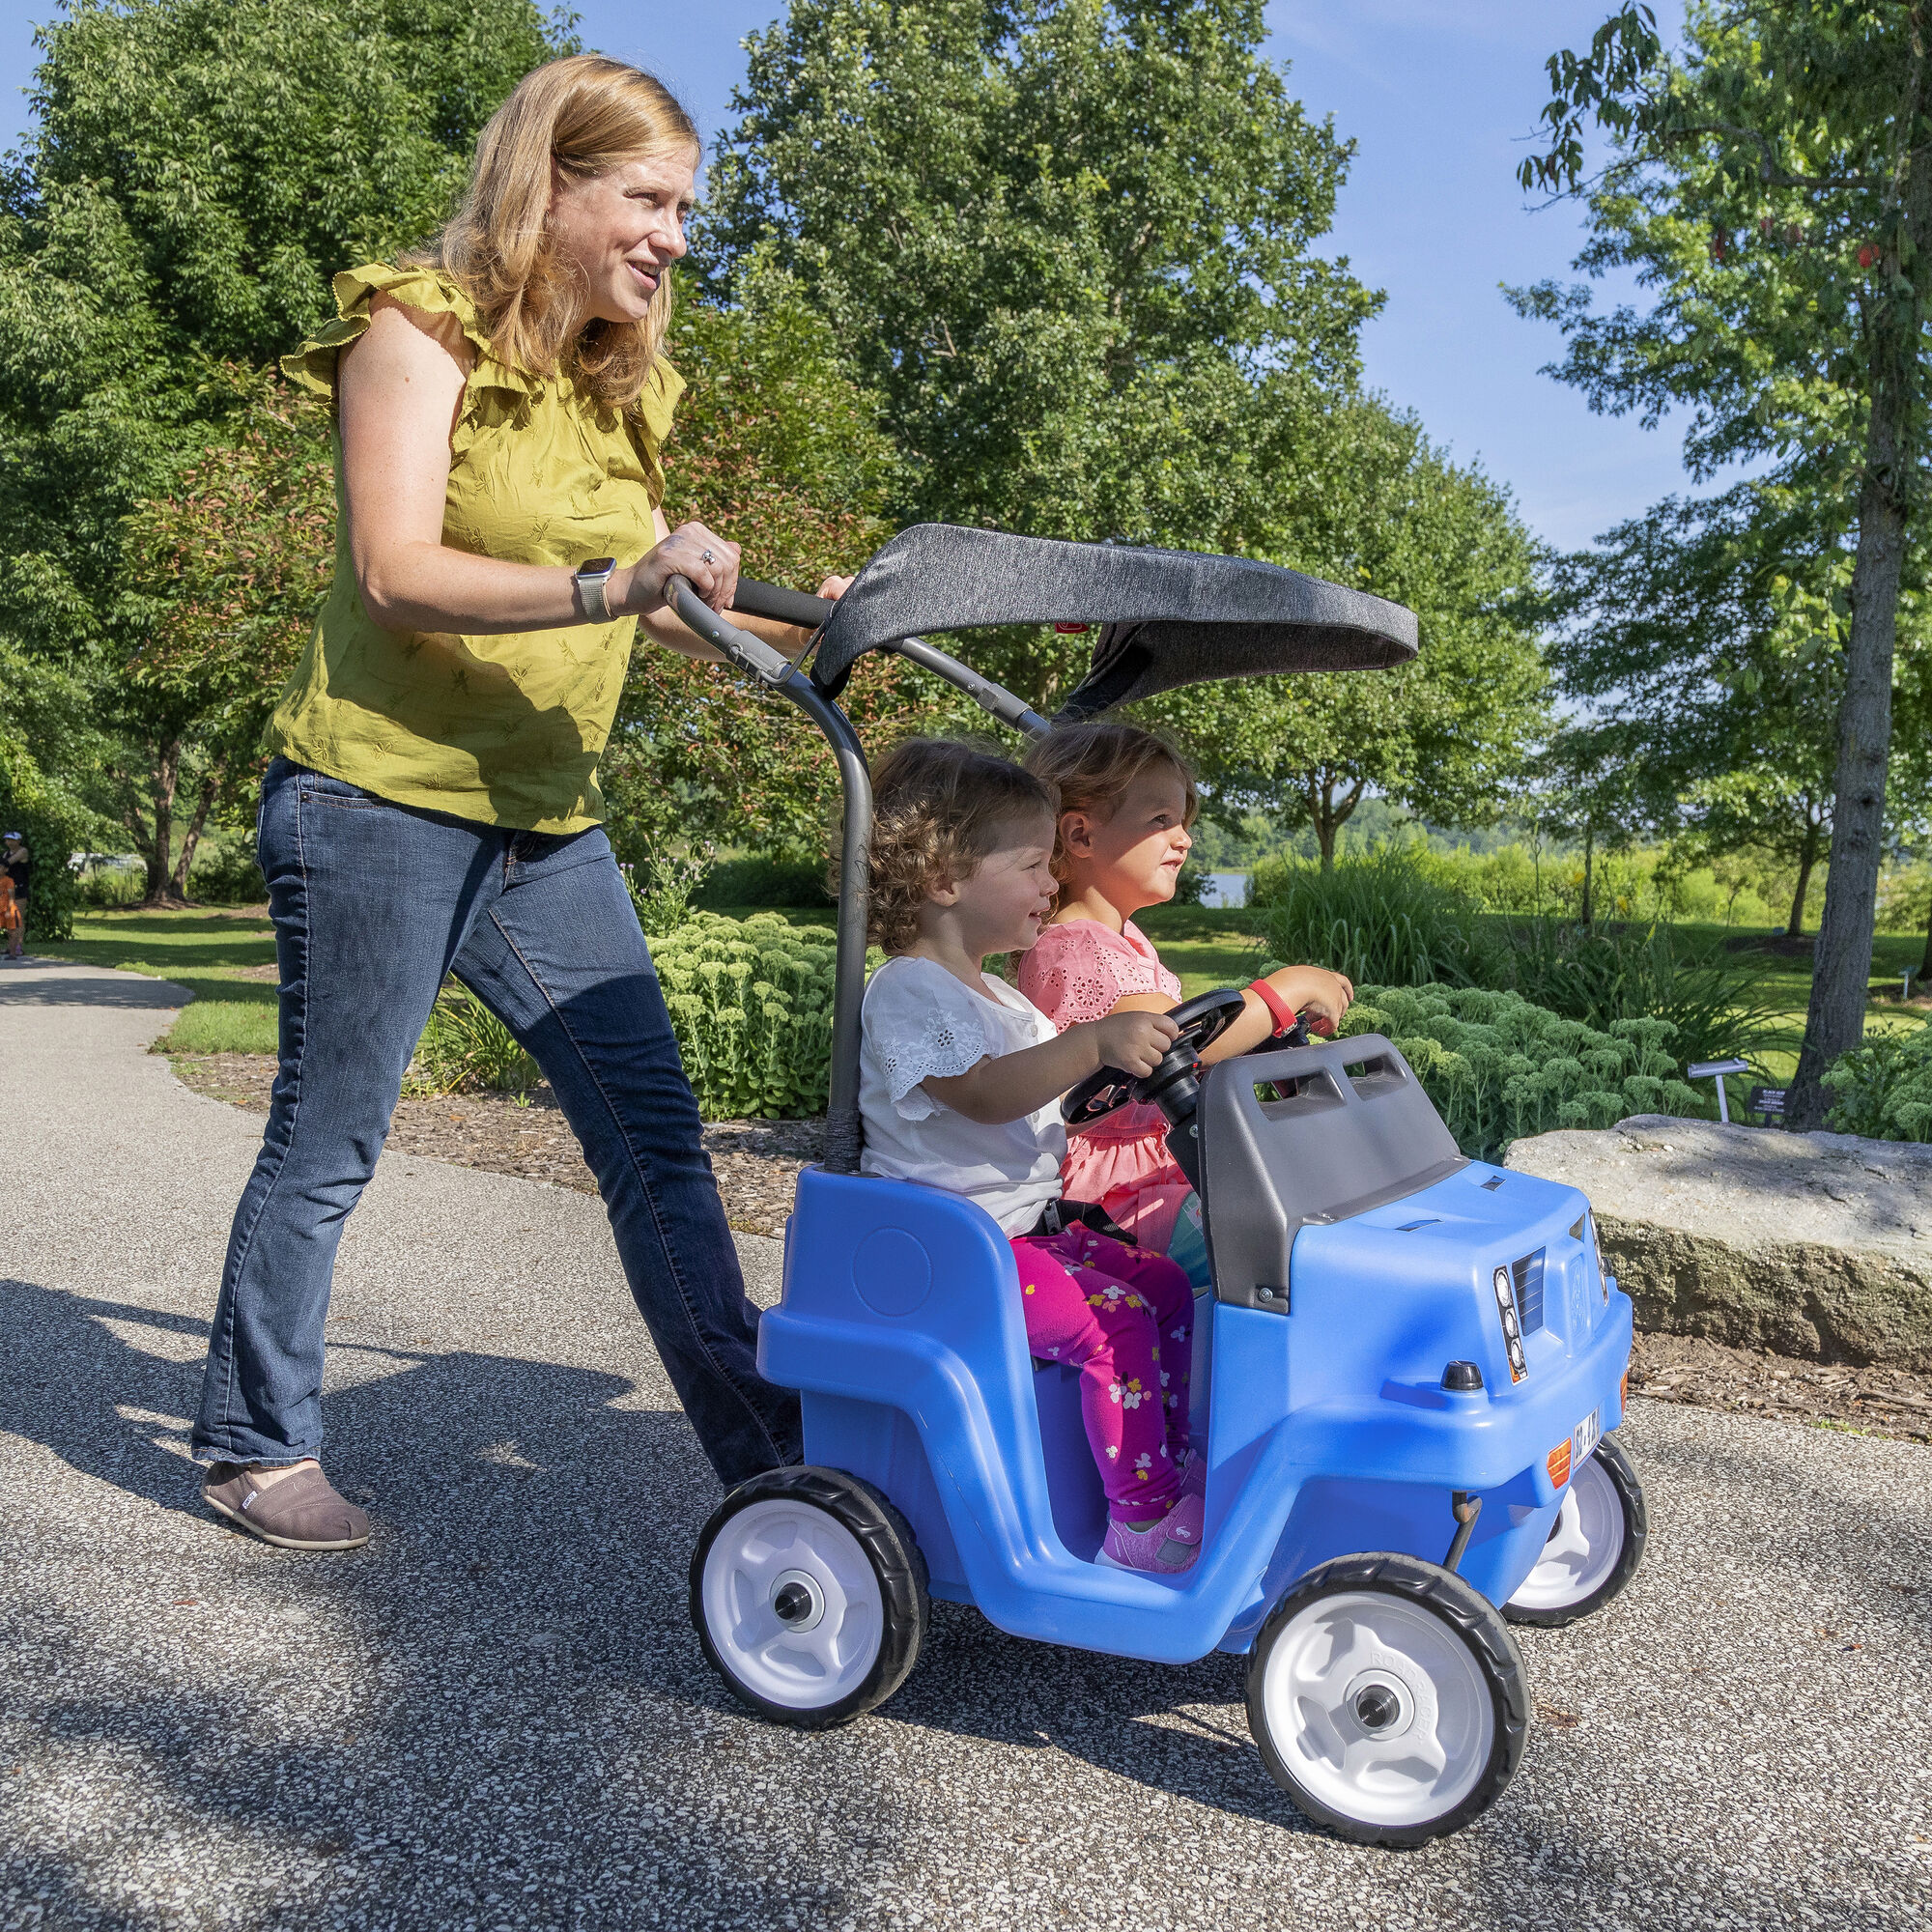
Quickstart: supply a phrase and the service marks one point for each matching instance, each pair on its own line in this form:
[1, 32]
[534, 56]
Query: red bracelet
[1284, 1014]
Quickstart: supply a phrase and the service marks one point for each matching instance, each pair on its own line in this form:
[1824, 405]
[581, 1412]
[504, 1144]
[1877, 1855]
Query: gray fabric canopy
[1171, 617]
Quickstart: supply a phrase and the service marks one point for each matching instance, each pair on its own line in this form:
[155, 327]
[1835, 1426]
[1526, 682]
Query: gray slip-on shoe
[301, 1512]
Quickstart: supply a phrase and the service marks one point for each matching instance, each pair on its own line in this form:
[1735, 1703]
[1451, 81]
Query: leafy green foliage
[1772, 188]
[464, 1044]
[1882, 1090]
[662, 888]
[764, 882]
[1381, 920]
[1391, 919]
[1498, 1068]
[750, 1003]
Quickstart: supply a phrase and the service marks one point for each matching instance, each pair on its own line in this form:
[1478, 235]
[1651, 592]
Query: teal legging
[1189, 1245]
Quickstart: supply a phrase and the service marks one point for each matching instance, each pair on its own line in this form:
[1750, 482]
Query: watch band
[591, 577]
[1284, 1014]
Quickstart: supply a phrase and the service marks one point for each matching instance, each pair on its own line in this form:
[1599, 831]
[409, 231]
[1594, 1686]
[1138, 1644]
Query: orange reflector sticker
[1557, 1462]
[1624, 1391]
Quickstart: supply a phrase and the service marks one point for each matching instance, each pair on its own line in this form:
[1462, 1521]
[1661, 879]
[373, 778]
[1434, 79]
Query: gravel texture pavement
[496, 1715]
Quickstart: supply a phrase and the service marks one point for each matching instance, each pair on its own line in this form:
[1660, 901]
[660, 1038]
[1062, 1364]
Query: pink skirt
[1125, 1165]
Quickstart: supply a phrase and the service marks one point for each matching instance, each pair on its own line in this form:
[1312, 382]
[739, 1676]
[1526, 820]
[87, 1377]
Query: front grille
[1528, 1275]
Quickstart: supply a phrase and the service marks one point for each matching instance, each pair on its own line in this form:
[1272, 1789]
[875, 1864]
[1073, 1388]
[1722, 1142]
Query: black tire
[1455, 1640]
[1629, 1521]
[827, 1513]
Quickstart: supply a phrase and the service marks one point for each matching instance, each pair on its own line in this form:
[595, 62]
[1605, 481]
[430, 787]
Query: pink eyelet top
[1078, 971]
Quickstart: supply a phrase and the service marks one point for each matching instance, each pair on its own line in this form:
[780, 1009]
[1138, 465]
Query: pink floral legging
[1126, 1319]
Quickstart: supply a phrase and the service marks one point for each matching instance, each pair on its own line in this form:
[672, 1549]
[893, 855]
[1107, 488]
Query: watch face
[598, 566]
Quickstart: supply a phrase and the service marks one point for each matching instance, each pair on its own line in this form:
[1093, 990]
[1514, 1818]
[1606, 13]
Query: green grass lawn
[205, 952]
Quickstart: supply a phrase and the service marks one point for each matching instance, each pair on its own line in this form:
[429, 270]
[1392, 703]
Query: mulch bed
[756, 1162]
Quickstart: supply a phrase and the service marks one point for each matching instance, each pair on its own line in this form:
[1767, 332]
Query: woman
[431, 805]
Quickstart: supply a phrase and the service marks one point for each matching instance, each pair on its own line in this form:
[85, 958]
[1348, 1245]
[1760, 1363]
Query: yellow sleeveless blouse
[506, 731]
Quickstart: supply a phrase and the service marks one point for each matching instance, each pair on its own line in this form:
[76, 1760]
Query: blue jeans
[373, 904]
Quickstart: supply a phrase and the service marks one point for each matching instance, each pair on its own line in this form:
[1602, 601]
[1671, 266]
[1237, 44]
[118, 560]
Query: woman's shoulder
[429, 289]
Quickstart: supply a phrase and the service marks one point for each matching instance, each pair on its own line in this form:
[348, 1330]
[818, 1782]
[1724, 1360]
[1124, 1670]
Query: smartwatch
[591, 577]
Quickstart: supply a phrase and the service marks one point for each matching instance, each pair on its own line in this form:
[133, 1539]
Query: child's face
[1133, 858]
[1002, 903]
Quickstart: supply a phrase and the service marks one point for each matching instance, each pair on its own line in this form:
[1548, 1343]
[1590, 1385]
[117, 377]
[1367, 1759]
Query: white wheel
[1593, 1545]
[1387, 1699]
[805, 1596]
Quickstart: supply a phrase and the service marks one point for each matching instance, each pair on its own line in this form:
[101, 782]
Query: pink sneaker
[1170, 1546]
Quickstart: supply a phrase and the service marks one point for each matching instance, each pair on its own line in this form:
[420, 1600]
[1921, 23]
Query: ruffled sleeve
[1080, 971]
[923, 1025]
[651, 421]
[312, 367]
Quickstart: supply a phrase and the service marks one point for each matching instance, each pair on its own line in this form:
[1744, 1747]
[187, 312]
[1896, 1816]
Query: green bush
[464, 1044]
[662, 889]
[227, 875]
[48, 824]
[1381, 920]
[1884, 1088]
[763, 882]
[750, 1003]
[1499, 1068]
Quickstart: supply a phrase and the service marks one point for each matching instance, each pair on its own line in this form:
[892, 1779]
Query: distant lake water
[1225, 889]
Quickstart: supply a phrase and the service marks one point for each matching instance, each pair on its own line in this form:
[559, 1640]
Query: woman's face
[621, 230]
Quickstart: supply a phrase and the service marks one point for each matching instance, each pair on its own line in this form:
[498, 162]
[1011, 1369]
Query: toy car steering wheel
[1201, 1021]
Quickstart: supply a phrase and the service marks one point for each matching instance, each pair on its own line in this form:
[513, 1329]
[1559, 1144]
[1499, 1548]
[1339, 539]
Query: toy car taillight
[1512, 1325]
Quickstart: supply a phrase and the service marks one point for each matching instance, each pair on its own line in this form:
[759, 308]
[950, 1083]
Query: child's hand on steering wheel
[1134, 1042]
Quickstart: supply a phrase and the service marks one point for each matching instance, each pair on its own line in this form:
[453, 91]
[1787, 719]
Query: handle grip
[780, 604]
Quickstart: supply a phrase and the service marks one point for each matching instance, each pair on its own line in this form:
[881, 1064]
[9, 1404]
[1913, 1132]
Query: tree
[1447, 737]
[1708, 635]
[226, 571]
[777, 446]
[1773, 183]
[1068, 246]
[200, 170]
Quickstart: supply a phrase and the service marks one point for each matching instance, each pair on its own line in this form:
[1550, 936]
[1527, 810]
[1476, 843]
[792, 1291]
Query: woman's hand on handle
[705, 560]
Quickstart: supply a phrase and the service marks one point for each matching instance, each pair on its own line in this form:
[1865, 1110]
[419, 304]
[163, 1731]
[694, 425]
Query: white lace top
[920, 1022]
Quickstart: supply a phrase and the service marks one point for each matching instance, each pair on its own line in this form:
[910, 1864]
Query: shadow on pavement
[494, 1714]
[50, 983]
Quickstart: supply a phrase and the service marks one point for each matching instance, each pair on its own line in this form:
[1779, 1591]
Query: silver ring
[704, 557]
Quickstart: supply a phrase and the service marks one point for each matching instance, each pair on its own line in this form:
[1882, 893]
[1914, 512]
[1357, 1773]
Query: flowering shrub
[1884, 1088]
[750, 1003]
[1498, 1068]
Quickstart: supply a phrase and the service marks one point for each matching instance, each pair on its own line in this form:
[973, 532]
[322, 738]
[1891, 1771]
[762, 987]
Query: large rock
[1811, 1244]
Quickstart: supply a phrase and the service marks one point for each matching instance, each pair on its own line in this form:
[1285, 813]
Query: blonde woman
[431, 805]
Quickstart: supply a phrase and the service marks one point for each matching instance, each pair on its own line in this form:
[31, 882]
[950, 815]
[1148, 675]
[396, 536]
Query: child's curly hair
[1091, 766]
[939, 808]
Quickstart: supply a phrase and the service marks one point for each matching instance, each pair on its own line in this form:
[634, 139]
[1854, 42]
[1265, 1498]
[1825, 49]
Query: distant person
[17, 867]
[432, 804]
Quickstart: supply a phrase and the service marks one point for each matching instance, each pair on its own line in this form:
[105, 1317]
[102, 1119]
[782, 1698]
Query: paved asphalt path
[496, 1714]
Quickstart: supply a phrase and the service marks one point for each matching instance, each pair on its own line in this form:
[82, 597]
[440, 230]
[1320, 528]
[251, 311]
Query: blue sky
[1439, 96]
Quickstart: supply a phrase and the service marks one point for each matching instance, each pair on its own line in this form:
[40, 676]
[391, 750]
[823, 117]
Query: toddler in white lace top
[959, 1082]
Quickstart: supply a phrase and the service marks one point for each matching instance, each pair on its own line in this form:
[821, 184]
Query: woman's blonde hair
[939, 808]
[1091, 766]
[588, 115]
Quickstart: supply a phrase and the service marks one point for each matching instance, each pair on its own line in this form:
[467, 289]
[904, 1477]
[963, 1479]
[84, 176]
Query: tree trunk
[1808, 858]
[1924, 974]
[1589, 875]
[154, 839]
[210, 783]
[1327, 816]
[1835, 1021]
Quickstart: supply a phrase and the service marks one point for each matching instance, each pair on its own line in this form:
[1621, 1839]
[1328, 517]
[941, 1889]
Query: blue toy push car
[1405, 1372]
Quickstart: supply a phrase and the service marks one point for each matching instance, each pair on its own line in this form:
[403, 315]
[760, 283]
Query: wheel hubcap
[1585, 1542]
[1378, 1708]
[792, 1604]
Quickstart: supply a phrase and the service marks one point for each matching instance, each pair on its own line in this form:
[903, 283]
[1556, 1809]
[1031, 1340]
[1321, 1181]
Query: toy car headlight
[1505, 1287]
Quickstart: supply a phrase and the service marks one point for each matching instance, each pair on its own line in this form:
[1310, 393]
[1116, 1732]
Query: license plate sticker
[1589, 1432]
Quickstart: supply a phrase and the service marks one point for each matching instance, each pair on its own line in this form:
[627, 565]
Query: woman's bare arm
[399, 388]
